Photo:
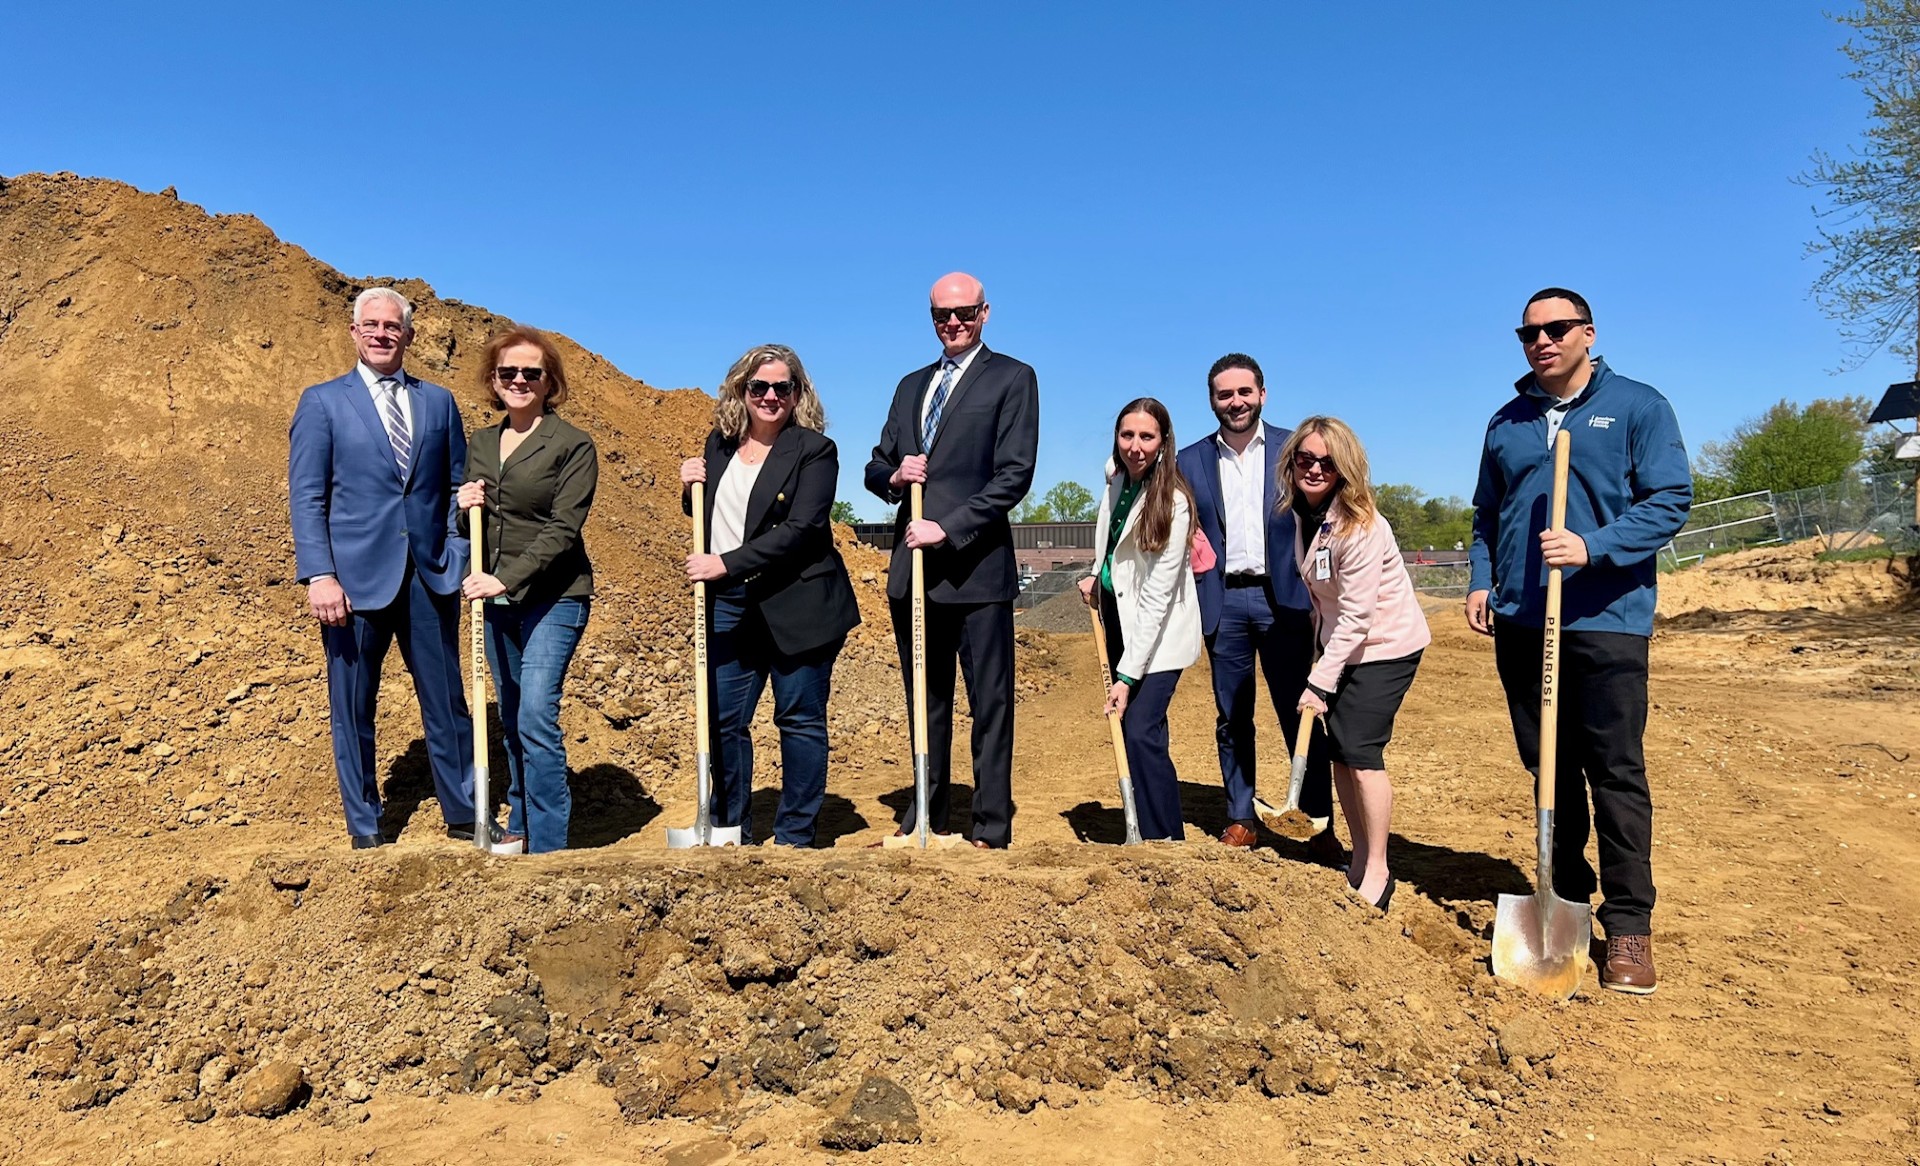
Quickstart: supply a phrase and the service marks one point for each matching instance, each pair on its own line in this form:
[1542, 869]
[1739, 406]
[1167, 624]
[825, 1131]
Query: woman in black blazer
[782, 604]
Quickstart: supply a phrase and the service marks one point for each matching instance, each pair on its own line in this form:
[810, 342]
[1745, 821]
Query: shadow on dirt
[837, 817]
[959, 806]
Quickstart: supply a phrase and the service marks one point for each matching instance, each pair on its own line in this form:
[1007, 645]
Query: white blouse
[730, 505]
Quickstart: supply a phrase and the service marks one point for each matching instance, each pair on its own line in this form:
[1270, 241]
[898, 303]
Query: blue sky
[1360, 196]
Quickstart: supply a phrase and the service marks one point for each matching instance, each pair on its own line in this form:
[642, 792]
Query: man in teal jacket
[1628, 492]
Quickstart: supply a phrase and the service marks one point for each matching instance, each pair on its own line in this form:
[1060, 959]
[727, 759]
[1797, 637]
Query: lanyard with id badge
[1323, 557]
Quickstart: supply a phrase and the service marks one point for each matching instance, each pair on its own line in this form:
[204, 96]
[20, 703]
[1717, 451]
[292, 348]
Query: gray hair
[383, 293]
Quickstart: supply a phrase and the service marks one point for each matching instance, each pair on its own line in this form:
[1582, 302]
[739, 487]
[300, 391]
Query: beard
[1226, 420]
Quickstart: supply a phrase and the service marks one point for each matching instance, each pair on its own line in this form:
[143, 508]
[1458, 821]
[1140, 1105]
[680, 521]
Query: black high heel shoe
[1381, 905]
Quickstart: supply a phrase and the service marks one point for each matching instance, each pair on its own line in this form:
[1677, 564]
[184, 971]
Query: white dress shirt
[1243, 503]
[372, 381]
[926, 395]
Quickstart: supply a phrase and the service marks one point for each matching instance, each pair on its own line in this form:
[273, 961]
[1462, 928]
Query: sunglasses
[1555, 330]
[506, 374]
[967, 313]
[1304, 461]
[780, 389]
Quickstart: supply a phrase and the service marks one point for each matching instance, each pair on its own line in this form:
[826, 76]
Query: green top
[536, 505]
[1122, 507]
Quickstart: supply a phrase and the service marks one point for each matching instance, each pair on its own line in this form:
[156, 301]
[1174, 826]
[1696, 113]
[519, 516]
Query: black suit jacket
[788, 563]
[980, 467]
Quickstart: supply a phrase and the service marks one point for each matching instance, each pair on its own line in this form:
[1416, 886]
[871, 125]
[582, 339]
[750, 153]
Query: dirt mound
[1781, 578]
[707, 989]
[194, 968]
[161, 672]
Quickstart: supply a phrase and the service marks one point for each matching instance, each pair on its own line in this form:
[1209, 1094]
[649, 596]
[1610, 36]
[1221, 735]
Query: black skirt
[1360, 715]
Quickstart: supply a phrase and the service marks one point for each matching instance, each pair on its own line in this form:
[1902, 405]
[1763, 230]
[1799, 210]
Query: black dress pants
[1603, 719]
[984, 633]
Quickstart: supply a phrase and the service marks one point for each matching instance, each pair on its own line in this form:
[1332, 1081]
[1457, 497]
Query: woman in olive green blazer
[535, 474]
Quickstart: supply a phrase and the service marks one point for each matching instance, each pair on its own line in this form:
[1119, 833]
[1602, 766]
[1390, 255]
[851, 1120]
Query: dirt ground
[194, 967]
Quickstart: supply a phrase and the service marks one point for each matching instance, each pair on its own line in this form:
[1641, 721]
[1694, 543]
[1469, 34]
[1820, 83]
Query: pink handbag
[1204, 559]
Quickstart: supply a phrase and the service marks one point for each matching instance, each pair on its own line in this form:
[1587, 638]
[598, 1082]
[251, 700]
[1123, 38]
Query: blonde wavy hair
[730, 412]
[1352, 485]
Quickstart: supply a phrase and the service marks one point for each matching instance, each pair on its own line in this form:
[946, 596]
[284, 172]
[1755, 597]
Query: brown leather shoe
[1629, 966]
[1240, 837]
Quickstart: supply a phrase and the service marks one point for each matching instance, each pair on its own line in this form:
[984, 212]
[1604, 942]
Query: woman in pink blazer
[1371, 630]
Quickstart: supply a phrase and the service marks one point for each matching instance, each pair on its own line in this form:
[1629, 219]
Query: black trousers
[983, 633]
[1603, 718]
[1143, 731]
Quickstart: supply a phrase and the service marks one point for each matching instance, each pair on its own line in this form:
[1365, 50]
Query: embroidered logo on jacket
[1599, 422]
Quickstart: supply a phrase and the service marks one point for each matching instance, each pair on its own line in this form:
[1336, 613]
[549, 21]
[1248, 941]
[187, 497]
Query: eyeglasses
[507, 374]
[1304, 462]
[967, 313]
[381, 328]
[1556, 330]
[780, 389]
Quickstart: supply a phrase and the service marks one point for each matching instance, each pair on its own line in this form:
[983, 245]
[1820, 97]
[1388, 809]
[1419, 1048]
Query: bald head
[956, 288]
[955, 295]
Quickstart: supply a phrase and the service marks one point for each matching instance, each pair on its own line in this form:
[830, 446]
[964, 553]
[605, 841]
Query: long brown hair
[730, 412]
[1162, 480]
[1352, 485]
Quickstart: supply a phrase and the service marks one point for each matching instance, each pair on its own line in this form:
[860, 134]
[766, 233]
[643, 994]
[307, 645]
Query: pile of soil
[1785, 577]
[194, 967]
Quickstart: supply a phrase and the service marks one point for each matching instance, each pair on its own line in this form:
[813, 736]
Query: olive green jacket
[536, 506]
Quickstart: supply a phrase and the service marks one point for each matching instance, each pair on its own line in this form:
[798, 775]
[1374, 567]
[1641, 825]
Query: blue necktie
[932, 426]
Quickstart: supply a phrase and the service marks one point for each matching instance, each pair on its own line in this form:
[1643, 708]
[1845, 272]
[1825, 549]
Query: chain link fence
[1848, 513]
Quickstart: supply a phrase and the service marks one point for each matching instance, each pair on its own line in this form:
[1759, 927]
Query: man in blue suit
[1252, 602]
[375, 459]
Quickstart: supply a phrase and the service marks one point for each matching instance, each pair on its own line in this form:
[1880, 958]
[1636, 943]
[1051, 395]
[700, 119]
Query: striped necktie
[396, 423]
[932, 425]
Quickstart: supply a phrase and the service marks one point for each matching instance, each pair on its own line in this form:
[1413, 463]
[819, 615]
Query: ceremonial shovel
[703, 832]
[477, 638]
[1540, 940]
[922, 836]
[1293, 822]
[1119, 742]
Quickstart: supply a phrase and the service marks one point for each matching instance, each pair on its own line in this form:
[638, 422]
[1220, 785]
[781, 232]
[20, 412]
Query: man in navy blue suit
[1252, 602]
[375, 459]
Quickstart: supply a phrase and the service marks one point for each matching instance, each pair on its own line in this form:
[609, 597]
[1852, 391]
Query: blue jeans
[744, 659]
[528, 647]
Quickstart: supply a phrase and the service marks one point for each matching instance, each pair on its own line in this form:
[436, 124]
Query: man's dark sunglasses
[1556, 330]
[780, 389]
[507, 374]
[967, 313]
[1304, 461]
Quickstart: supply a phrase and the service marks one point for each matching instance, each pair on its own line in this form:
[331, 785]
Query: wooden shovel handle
[701, 712]
[1303, 735]
[917, 496]
[1550, 652]
[477, 633]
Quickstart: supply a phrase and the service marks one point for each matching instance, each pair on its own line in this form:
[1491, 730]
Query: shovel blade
[912, 841]
[679, 839]
[1540, 942]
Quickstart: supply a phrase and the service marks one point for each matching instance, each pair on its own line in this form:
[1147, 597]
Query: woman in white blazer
[1143, 588]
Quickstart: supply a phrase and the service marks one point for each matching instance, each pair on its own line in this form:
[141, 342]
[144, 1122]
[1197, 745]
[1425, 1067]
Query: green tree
[1419, 521]
[1785, 448]
[1064, 502]
[843, 512]
[1869, 227]
[1070, 502]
